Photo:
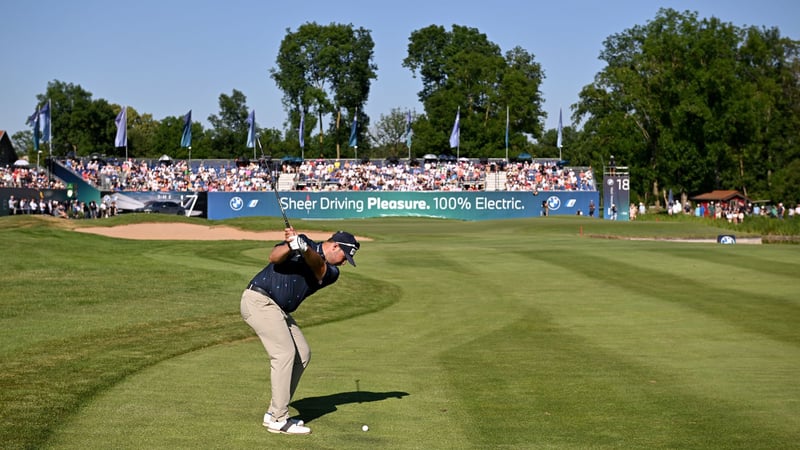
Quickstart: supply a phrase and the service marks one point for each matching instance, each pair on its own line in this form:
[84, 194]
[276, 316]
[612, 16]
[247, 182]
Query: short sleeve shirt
[292, 281]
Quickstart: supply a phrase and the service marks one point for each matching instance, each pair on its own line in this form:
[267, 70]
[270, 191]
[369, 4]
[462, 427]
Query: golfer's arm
[279, 253]
[316, 263]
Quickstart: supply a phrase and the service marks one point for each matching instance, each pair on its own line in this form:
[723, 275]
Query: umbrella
[165, 158]
[524, 157]
[21, 163]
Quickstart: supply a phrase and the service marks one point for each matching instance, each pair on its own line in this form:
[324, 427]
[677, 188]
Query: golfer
[298, 267]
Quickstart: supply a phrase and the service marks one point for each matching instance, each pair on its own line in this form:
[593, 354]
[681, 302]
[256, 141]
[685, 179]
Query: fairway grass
[504, 334]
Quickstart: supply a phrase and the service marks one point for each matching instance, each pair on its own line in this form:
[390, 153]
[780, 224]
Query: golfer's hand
[298, 243]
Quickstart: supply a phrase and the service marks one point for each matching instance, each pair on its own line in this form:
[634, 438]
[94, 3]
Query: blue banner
[354, 204]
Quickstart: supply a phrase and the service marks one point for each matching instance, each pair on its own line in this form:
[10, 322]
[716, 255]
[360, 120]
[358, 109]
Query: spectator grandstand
[331, 175]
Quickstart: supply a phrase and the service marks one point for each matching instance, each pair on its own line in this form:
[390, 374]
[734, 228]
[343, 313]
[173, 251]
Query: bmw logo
[553, 203]
[236, 203]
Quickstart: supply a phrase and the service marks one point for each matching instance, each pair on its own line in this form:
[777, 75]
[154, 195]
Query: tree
[324, 71]
[687, 104]
[229, 128]
[463, 69]
[80, 125]
[389, 133]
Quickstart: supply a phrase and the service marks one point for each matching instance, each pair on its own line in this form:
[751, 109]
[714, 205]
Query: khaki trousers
[285, 344]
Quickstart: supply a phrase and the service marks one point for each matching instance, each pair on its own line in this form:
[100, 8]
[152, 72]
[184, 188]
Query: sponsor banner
[134, 201]
[354, 204]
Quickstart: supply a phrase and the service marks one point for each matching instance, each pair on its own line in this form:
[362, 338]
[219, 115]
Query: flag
[506, 127]
[33, 121]
[301, 131]
[354, 131]
[44, 116]
[409, 132]
[33, 118]
[186, 137]
[251, 132]
[122, 128]
[558, 139]
[456, 133]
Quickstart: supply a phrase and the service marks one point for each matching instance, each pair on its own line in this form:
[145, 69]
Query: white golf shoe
[289, 426]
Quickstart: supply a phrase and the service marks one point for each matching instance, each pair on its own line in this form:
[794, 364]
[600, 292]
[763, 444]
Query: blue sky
[166, 57]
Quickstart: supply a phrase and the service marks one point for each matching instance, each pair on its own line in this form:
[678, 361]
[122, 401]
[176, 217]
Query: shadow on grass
[312, 408]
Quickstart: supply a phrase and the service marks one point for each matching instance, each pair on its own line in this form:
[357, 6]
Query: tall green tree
[682, 104]
[462, 69]
[326, 70]
[389, 133]
[80, 125]
[229, 128]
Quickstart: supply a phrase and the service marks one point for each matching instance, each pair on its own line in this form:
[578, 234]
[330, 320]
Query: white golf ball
[364, 428]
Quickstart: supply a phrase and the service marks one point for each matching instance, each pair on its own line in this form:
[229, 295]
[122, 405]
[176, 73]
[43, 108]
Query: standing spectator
[591, 208]
[12, 206]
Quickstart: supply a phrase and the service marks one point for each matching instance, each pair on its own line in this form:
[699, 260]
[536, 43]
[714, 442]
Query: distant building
[7, 154]
[734, 198]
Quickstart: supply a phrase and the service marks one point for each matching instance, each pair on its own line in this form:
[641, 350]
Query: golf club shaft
[280, 205]
[278, 197]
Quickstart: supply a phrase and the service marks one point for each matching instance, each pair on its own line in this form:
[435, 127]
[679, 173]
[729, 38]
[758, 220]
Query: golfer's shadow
[311, 408]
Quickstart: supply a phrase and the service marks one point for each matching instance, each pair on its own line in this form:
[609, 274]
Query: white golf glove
[298, 243]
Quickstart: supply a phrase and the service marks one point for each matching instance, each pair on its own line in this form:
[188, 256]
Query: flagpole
[338, 118]
[507, 119]
[50, 141]
[355, 147]
[408, 134]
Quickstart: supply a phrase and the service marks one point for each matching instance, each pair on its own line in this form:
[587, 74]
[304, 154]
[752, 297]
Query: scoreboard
[616, 196]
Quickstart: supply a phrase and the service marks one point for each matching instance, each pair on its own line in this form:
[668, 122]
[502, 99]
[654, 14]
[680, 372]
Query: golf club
[273, 179]
[278, 199]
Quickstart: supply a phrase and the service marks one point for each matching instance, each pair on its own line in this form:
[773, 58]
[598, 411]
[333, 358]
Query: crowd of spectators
[70, 209]
[328, 175]
[332, 175]
[733, 212]
[28, 177]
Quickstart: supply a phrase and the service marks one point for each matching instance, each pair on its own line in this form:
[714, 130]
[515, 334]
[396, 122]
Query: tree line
[688, 104]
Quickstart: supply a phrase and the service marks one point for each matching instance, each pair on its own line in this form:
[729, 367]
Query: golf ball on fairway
[364, 428]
